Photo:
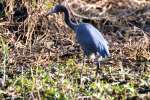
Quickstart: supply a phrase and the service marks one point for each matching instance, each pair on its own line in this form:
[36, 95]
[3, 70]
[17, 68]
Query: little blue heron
[90, 39]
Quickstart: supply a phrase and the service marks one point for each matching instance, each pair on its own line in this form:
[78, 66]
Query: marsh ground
[40, 58]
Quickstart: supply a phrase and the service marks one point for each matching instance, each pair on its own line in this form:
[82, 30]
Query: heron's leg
[98, 64]
[97, 67]
[84, 60]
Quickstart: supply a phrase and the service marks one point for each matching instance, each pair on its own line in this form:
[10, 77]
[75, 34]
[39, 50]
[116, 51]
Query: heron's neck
[71, 24]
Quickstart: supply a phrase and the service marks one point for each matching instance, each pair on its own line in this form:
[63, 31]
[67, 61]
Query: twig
[80, 16]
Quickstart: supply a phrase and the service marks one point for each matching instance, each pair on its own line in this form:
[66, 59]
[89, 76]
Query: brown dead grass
[43, 40]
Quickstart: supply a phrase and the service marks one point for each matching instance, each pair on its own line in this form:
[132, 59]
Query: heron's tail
[104, 50]
[107, 53]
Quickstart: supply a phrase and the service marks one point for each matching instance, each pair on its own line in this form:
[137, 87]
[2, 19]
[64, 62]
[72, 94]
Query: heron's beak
[51, 11]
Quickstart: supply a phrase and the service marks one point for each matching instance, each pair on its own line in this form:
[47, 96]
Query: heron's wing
[86, 43]
[86, 40]
[91, 40]
[100, 41]
[98, 34]
[103, 50]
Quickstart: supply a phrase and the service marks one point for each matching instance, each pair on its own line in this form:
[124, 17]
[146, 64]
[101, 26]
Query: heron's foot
[81, 81]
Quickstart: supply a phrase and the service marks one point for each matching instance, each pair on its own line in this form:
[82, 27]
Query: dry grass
[41, 56]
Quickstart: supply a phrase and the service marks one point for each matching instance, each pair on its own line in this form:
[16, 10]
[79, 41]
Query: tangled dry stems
[38, 31]
[44, 40]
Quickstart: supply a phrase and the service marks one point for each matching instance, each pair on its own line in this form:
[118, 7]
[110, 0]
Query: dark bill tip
[51, 11]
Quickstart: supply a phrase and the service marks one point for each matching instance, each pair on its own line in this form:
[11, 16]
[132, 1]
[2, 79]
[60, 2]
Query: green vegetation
[40, 60]
[61, 82]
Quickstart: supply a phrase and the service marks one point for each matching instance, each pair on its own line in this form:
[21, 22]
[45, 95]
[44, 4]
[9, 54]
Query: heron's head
[56, 9]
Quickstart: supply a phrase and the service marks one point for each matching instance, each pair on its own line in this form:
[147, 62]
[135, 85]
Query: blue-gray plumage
[90, 39]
